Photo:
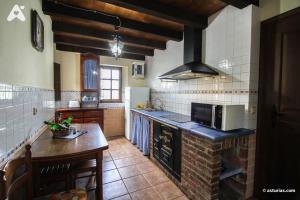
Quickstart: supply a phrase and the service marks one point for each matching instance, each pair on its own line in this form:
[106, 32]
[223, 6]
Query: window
[110, 84]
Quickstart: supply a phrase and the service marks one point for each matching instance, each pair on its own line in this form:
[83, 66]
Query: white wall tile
[17, 123]
[231, 43]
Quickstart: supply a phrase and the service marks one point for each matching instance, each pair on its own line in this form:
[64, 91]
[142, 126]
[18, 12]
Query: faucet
[161, 103]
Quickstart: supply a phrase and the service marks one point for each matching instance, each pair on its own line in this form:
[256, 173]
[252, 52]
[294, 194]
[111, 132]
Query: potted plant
[62, 128]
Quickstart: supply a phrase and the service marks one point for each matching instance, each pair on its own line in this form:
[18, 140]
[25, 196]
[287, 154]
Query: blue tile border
[204, 91]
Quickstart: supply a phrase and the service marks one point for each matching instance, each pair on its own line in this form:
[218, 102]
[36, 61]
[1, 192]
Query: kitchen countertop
[194, 127]
[78, 109]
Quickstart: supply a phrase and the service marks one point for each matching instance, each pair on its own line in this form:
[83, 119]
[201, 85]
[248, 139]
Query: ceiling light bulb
[116, 46]
[116, 50]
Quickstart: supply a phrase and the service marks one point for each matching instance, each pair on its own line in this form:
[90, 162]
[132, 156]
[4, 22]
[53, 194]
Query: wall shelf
[230, 170]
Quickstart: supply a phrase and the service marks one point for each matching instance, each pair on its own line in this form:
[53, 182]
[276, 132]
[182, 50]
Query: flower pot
[61, 133]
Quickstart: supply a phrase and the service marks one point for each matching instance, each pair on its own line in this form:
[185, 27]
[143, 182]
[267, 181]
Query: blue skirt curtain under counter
[141, 133]
[136, 125]
[146, 136]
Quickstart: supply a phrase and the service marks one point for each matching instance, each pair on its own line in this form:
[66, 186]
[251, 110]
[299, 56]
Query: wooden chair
[82, 167]
[15, 176]
[51, 173]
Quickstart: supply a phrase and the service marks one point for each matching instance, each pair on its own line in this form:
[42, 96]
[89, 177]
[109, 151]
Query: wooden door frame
[57, 81]
[261, 95]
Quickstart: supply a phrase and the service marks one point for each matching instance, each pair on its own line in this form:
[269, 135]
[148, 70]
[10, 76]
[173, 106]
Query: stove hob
[177, 118]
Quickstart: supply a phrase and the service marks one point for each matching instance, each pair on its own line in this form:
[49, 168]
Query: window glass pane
[115, 74]
[115, 94]
[105, 94]
[115, 85]
[105, 84]
[90, 74]
[110, 83]
[105, 73]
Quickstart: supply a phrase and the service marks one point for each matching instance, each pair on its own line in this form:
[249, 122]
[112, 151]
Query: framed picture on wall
[37, 31]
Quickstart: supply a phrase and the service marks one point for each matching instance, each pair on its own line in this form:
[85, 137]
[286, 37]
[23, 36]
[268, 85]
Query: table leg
[36, 179]
[99, 187]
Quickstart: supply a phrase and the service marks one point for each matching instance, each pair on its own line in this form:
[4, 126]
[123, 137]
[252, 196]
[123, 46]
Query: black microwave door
[202, 113]
[218, 117]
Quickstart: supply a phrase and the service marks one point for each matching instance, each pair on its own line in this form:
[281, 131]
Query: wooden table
[90, 145]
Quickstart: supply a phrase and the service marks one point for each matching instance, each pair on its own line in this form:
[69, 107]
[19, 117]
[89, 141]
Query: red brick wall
[201, 165]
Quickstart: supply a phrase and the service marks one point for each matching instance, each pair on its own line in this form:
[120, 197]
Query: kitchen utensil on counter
[74, 104]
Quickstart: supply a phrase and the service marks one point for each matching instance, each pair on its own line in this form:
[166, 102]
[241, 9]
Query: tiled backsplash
[111, 105]
[17, 122]
[67, 96]
[178, 96]
[230, 46]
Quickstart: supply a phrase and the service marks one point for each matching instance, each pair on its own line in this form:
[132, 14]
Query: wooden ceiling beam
[241, 3]
[98, 44]
[100, 52]
[101, 34]
[53, 8]
[158, 9]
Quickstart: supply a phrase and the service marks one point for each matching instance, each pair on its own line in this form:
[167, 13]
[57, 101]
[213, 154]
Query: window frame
[111, 79]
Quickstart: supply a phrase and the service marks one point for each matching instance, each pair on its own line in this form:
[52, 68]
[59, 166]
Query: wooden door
[57, 82]
[278, 146]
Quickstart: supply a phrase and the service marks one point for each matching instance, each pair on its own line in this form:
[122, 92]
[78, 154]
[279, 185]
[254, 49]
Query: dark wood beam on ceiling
[52, 8]
[100, 52]
[158, 9]
[98, 44]
[241, 3]
[101, 34]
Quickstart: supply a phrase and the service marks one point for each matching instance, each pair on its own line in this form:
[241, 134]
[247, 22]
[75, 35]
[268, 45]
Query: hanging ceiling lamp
[116, 45]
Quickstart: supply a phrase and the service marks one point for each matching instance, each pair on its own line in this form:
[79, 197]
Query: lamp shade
[116, 46]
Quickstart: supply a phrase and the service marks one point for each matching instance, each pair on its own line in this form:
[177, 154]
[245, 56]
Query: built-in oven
[221, 117]
[167, 147]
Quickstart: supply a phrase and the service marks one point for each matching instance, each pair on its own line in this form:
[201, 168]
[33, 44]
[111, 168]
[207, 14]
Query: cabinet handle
[275, 116]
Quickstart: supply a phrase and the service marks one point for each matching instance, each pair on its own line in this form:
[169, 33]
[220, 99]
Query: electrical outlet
[34, 111]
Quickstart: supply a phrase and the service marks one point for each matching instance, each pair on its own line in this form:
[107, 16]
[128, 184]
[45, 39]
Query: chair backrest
[16, 176]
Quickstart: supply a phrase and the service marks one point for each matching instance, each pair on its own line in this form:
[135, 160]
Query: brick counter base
[201, 165]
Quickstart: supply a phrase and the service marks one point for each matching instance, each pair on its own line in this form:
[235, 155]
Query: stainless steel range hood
[193, 66]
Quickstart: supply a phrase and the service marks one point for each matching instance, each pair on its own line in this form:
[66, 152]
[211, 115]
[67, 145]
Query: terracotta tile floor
[127, 174]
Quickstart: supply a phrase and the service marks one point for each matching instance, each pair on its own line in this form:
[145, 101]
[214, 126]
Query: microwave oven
[221, 117]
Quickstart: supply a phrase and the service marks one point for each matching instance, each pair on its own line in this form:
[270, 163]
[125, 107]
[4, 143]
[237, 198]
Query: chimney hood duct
[193, 66]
